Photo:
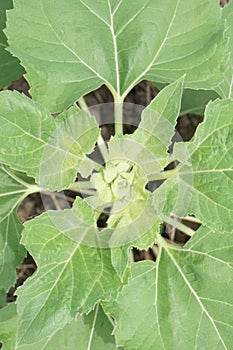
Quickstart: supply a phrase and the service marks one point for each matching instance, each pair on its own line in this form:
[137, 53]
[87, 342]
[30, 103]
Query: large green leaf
[211, 170]
[71, 276]
[33, 141]
[195, 101]
[10, 68]
[179, 302]
[91, 332]
[86, 44]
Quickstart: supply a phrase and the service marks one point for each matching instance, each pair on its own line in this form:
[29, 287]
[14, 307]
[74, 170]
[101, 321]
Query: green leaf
[2, 298]
[121, 186]
[93, 330]
[26, 127]
[211, 170]
[10, 68]
[12, 192]
[178, 303]
[193, 101]
[120, 256]
[32, 141]
[225, 89]
[66, 149]
[88, 44]
[12, 253]
[8, 326]
[13, 188]
[120, 259]
[71, 277]
[157, 126]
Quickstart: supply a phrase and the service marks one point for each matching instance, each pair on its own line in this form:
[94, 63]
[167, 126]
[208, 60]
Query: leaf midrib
[69, 260]
[40, 140]
[71, 50]
[157, 53]
[193, 292]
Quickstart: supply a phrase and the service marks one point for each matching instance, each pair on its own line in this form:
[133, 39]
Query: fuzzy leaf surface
[184, 288]
[12, 192]
[211, 171]
[8, 325]
[33, 141]
[156, 128]
[91, 332]
[226, 87]
[10, 68]
[125, 45]
[71, 276]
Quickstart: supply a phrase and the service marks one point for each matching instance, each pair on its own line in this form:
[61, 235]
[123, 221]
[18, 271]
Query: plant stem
[82, 104]
[191, 219]
[80, 185]
[84, 187]
[131, 256]
[185, 229]
[118, 109]
[164, 174]
[7, 170]
[103, 148]
[181, 227]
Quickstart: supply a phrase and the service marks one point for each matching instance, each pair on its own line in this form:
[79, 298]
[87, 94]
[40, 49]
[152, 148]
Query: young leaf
[32, 140]
[65, 153]
[71, 276]
[89, 332]
[157, 126]
[87, 44]
[121, 185]
[180, 300]
[10, 68]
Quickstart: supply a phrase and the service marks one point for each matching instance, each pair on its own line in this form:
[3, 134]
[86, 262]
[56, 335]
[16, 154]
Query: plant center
[115, 181]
